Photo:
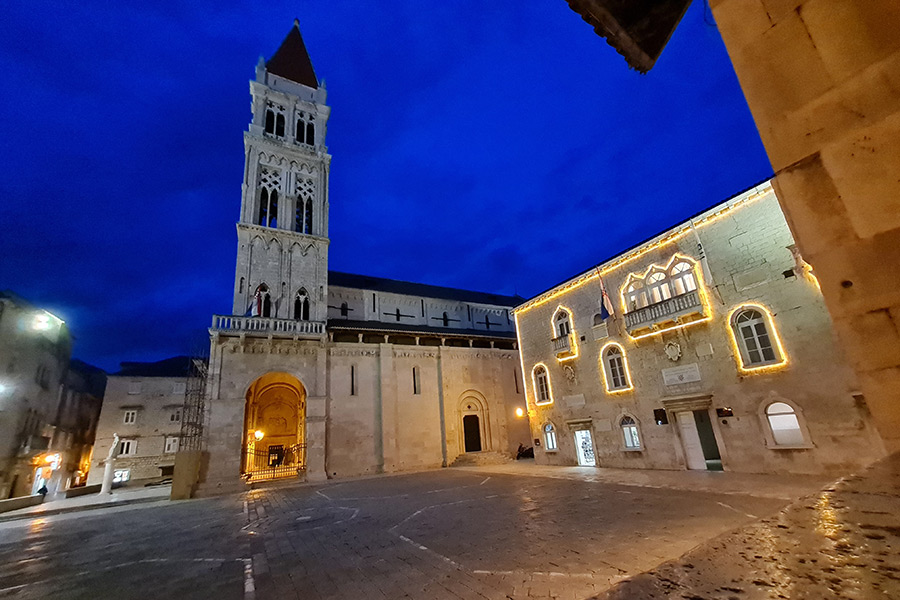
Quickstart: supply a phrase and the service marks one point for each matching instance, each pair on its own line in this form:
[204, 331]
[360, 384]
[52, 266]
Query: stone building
[328, 374]
[714, 350]
[143, 405]
[35, 347]
[75, 425]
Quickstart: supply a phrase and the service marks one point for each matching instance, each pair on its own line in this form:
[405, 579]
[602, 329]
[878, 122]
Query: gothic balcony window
[658, 287]
[550, 438]
[630, 433]
[663, 297]
[682, 277]
[541, 385]
[301, 305]
[564, 343]
[261, 306]
[615, 369]
[755, 338]
[303, 204]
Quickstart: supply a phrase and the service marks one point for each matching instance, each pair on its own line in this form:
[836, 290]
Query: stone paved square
[453, 533]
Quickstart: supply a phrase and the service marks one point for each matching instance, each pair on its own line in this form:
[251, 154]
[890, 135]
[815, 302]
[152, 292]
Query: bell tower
[282, 256]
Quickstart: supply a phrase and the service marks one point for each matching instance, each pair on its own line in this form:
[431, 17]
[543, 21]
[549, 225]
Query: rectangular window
[134, 387]
[121, 475]
[618, 372]
[171, 444]
[130, 417]
[175, 416]
[352, 380]
[127, 447]
[178, 388]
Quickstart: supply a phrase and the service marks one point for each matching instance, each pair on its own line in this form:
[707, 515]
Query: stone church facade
[319, 374]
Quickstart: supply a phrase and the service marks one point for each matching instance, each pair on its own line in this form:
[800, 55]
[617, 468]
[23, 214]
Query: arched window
[682, 278]
[550, 438]
[541, 385]
[268, 208]
[630, 432]
[562, 324]
[598, 319]
[299, 210]
[345, 310]
[270, 121]
[636, 296]
[417, 387]
[311, 134]
[262, 302]
[301, 305]
[784, 424]
[279, 125]
[615, 369]
[306, 129]
[307, 228]
[658, 287]
[241, 286]
[753, 338]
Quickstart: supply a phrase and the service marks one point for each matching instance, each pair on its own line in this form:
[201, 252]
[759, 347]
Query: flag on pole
[606, 305]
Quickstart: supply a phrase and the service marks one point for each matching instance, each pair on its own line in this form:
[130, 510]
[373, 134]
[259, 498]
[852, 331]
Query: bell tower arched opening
[274, 431]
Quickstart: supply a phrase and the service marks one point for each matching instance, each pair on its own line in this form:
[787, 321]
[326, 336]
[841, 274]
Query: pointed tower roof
[291, 61]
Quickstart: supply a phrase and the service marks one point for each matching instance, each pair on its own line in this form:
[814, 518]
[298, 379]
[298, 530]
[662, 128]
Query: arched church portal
[274, 432]
[474, 423]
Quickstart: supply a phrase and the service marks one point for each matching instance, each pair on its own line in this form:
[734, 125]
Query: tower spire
[291, 60]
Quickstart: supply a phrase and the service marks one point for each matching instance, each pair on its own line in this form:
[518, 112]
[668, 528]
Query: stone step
[473, 459]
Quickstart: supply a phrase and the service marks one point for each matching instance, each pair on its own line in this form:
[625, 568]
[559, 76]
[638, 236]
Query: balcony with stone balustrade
[675, 309]
[267, 326]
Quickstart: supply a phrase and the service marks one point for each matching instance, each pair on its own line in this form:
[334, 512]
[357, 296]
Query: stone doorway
[472, 433]
[274, 432]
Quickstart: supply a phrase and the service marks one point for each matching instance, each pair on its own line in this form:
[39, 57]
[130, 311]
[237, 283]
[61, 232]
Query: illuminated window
[616, 372]
[121, 475]
[784, 424]
[563, 327]
[550, 437]
[753, 338]
[541, 385]
[171, 444]
[630, 432]
[301, 305]
[417, 387]
[682, 278]
[636, 296]
[658, 287]
[130, 417]
[127, 447]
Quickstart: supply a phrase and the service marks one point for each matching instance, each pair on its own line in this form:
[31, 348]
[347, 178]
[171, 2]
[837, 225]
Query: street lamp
[258, 434]
[519, 412]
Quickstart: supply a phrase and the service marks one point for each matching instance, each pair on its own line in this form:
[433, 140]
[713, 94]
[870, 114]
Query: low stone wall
[20, 502]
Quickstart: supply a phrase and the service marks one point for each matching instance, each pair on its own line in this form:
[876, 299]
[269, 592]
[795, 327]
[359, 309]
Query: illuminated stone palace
[713, 350]
[319, 373]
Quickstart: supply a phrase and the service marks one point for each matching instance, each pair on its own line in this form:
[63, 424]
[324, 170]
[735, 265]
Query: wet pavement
[843, 542]
[464, 533]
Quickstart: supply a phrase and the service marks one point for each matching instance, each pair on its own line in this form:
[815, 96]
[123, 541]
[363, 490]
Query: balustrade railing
[666, 310]
[267, 325]
[274, 462]
[563, 345]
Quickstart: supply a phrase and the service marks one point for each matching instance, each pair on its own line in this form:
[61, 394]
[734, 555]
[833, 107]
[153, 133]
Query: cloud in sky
[501, 149]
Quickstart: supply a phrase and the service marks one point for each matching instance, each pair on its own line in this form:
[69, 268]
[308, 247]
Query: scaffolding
[194, 411]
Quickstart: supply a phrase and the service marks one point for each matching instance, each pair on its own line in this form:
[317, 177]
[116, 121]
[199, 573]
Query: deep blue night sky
[500, 149]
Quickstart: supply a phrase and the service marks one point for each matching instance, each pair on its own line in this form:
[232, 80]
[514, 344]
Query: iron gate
[274, 462]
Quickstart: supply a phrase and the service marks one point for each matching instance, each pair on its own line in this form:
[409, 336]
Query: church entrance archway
[274, 431]
[474, 423]
[472, 433]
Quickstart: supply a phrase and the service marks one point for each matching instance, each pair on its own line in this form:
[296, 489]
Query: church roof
[177, 366]
[380, 284]
[291, 61]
